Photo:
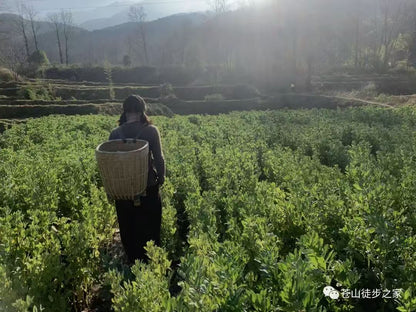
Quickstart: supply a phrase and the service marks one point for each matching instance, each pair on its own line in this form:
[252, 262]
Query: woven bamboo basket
[123, 165]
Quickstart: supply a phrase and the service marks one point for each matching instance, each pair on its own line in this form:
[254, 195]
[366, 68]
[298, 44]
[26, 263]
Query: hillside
[117, 13]
[9, 25]
[112, 43]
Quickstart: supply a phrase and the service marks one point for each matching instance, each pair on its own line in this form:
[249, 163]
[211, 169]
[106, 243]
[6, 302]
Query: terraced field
[21, 100]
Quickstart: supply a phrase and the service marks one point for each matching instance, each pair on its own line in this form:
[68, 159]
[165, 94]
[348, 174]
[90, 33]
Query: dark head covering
[134, 104]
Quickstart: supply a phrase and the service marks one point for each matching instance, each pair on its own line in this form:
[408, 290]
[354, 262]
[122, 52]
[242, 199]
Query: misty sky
[85, 10]
[43, 7]
[47, 6]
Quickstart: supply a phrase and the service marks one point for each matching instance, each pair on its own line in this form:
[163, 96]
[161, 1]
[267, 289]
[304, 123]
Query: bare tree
[138, 15]
[66, 20]
[3, 36]
[412, 47]
[54, 19]
[218, 6]
[392, 15]
[13, 57]
[22, 26]
[357, 21]
[31, 15]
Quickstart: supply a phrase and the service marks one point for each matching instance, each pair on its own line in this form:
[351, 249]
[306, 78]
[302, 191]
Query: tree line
[281, 39]
[23, 44]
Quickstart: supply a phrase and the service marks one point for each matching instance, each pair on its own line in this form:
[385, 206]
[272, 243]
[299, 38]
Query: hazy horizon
[85, 10]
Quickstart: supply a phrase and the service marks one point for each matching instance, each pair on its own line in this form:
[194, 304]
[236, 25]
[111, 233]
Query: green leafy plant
[261, 211]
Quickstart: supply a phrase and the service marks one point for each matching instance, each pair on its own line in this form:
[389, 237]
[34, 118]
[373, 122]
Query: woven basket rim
[122, 152]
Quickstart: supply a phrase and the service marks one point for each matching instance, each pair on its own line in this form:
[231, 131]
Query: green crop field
[261, 211]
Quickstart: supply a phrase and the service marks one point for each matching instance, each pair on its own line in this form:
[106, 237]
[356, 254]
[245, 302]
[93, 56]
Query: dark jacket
[151, 134]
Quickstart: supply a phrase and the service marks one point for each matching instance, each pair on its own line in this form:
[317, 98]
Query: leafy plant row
[261, 211]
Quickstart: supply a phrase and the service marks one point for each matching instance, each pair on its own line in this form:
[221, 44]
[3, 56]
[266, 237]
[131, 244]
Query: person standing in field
[139, 224]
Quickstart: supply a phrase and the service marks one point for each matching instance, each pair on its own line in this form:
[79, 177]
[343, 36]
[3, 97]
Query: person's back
[139, 224]
[149, 133]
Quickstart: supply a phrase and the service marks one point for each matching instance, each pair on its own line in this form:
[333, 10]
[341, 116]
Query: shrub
[213, 106]
[166, 91]
[126, 60]
[4, 125]
[153, 109]
[32, 92]
[369, 90]
[36, 65]
[38, 58]
[27, 111]
[7, 75]
[157, 109]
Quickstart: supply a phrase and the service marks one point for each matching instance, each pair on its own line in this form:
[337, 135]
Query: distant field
[38, 98]
[261, 211]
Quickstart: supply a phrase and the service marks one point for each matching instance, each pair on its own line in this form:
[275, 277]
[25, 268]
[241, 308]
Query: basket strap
[123, 136]
[140, 132]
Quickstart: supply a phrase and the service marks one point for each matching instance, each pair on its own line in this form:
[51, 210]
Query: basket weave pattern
[123, 165]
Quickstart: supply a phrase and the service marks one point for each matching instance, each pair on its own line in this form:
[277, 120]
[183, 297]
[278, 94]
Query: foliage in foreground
[262, 209]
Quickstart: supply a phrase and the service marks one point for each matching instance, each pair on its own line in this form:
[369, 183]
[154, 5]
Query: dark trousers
[139, 224]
